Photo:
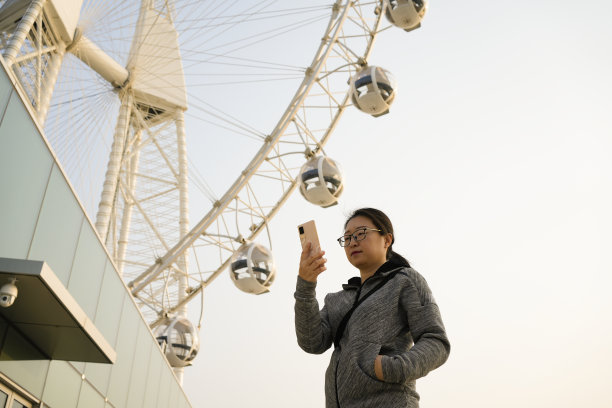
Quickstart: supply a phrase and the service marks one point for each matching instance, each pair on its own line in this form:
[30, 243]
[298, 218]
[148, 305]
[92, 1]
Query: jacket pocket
[357, 382]
[366, 356]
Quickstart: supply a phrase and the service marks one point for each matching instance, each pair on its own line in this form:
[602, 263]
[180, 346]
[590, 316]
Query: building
[74, 336]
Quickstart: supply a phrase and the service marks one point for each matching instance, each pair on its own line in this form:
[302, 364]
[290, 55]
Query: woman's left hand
[378, 368]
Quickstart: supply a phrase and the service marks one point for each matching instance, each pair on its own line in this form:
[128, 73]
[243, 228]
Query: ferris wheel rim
[310, 78]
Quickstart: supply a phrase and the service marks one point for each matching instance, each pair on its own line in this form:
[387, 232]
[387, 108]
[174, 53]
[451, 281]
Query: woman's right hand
[312, 263]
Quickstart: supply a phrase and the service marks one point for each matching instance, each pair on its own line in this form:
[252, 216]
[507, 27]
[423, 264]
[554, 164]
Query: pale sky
[495, 166]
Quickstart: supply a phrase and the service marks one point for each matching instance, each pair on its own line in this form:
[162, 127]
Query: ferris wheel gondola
[406, 14]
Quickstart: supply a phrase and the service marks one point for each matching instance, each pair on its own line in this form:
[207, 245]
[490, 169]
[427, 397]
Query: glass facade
[42, 219]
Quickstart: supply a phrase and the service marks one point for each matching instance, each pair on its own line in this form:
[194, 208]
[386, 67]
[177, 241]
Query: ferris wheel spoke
[264, 36]
[230, 120]
[231, 129]
[204, 29]
[277, 175]
[266, 15]
[224, 60]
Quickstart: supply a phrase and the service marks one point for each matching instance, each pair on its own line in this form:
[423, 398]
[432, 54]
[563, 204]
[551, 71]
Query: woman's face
[370, 252]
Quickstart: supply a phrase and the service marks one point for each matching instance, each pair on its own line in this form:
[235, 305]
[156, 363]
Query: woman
[385, 325]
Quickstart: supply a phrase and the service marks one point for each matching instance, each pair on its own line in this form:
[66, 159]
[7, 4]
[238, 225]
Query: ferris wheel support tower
[153, 100]
[41, 31]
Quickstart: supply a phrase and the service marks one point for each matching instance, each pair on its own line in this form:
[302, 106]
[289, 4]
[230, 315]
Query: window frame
[15, 394]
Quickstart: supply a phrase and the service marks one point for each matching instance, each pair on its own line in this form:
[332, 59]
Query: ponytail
[397, 259]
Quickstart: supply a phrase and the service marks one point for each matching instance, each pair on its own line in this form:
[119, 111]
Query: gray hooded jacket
[400, 321]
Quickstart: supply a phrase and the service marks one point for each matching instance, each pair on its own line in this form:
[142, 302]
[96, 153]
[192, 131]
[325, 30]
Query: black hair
[383, 223]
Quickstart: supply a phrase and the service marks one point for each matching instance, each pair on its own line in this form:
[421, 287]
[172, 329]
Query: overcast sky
[495, 167]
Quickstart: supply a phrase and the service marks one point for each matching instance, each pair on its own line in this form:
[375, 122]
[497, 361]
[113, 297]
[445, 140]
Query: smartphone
[308, 233]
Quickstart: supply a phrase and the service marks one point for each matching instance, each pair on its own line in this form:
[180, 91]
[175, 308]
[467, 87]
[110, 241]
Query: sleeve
[311, 325]
[431, 346]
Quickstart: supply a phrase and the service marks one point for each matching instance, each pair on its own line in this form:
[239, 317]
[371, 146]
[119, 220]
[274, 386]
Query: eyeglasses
[358, 235]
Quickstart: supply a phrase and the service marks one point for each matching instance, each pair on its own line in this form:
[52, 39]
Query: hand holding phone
[308, 233]
[312, 262]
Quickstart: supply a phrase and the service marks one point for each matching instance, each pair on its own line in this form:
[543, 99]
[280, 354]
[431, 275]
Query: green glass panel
[126, 349]
[156, 364]
[90, 398]
[87, 270]
[62, 386]
[167, 380]
[174, 394]
[142, 357]
[98, 375]
[108, 316]
[25, 167]
[18, 361]
[110, 304]
[58, 227]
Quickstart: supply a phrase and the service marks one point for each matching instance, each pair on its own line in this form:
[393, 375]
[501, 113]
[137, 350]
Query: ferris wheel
[211, 95]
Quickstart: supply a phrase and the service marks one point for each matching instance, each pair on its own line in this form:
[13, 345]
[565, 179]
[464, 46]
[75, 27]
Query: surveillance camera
[8, 293]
